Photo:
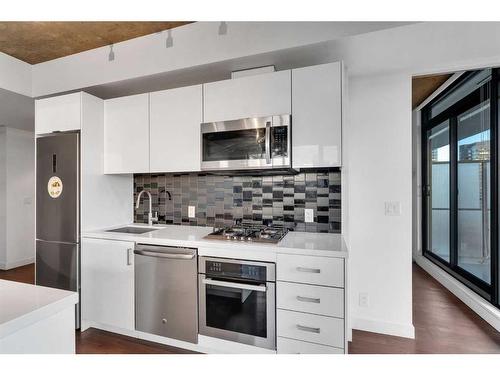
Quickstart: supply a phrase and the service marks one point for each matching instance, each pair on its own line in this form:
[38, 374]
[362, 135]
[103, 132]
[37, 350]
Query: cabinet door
[107, 274]
[175, 118]
[252, 96]
[317, 116]
[59, 113]
[126, 134]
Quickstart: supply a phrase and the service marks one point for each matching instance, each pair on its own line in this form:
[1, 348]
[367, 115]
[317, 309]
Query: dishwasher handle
[158, 254]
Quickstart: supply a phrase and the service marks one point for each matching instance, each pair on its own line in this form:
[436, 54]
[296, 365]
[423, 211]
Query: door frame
[487, 291]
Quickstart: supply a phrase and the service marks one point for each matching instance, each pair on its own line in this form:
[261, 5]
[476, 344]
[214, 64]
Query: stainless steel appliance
[264, 234]
[251, 143]
[166, 291]
[237, 301]
[57, 212]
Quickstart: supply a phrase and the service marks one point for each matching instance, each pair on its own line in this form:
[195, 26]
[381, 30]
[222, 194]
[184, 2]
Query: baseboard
[18, 263]
[386, 328]
[476, 303]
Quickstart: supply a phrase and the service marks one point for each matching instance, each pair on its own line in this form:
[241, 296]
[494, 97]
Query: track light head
[169, 42]
[223, 28]
[111, 56]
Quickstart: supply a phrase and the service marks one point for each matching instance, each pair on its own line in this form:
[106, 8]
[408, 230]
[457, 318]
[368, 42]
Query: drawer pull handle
[310, 270]
[308, 299]
[308, 329]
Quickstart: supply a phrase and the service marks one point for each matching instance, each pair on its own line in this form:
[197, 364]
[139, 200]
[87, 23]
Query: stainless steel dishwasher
[166, 291]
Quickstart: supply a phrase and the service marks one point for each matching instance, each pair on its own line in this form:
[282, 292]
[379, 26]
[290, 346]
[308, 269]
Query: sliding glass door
[459, 199]
[438, 192]
[474, 193]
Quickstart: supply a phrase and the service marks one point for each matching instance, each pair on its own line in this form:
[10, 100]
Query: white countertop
[24, 304]
[317, 244]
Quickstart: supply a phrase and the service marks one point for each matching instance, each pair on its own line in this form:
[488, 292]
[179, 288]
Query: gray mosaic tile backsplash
[258, 200]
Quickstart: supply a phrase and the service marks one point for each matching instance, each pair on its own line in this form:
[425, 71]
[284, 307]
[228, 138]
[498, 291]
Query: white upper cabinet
[252, 96]
[126, 134]
[175, 118]
[59, 113]
[317, 116]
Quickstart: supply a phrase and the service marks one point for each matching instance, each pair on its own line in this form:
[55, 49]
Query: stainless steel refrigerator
[58, 212]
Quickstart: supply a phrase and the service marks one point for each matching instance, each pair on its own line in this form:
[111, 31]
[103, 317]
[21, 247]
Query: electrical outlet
[309, 215]
[392, 208]
[364, 301]
[191, 211]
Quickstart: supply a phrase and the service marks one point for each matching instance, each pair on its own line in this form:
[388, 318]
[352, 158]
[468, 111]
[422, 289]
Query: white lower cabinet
[310, 301]
[289, 346]
[107, 290]
[313, 299]
[311, 328]
[310, 270]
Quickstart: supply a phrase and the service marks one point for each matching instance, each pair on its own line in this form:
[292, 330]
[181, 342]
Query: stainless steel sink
[132, 230]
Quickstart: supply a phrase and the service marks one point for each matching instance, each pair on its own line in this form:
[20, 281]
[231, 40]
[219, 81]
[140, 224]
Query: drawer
[310, 270]
[310, 299]
[289, 346]
[311, 328]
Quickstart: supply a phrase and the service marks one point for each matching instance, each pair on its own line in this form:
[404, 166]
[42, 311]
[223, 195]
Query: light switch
[393, 208]
[309, 215]
[191, 211]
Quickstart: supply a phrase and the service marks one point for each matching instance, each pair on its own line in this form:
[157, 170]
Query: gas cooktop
[267, 234]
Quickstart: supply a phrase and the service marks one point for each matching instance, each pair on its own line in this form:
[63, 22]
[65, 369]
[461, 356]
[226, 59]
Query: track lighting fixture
[111, 55]
[223, 28]
[169, 41]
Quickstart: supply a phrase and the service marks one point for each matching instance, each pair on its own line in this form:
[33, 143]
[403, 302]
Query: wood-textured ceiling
[36, 42]
[424, 86]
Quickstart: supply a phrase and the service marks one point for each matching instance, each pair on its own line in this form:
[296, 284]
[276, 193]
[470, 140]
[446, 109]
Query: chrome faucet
[151, 218]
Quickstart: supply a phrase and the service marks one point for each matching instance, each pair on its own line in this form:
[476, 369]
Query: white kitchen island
[36, 319]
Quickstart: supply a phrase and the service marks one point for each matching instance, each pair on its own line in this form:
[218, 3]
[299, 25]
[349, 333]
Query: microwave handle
[268, 142]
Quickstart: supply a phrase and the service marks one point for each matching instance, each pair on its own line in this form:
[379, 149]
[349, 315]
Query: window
[459, 133]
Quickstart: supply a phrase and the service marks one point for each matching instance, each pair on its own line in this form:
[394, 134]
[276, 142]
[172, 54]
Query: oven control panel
[236, 270]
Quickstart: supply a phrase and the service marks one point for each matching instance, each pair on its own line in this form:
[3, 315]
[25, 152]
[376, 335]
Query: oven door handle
[259, 288]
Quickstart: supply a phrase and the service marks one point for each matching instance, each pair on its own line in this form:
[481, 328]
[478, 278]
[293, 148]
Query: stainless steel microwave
[251, 143]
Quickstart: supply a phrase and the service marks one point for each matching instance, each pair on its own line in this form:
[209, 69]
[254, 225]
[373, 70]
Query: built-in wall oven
[237, 301]
[251, 143]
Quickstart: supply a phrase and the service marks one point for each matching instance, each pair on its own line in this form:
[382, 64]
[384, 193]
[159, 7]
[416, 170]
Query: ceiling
[37, 42]
[424, 86]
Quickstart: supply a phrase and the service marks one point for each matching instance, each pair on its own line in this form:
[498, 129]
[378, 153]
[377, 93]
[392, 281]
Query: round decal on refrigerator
[55, 187]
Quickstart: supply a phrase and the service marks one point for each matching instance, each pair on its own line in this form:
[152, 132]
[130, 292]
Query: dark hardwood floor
[443, 324]
[95, 341]
[24, 274]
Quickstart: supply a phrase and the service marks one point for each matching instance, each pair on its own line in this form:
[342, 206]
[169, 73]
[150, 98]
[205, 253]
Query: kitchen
[164, 284]
[226, 203]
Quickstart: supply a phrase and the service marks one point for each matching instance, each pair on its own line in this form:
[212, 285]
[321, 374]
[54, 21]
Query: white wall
[19, 208]
[378, 142]
[16, 111]
[379, 146]
[3, 194]
[15, 75]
